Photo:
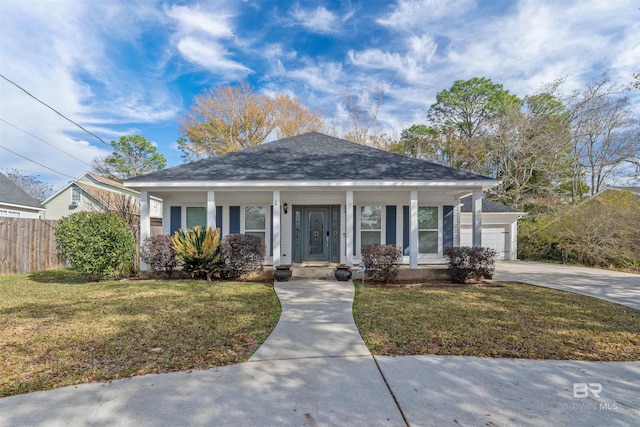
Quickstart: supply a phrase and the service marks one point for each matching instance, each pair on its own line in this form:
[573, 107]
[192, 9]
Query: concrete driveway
[615, 286]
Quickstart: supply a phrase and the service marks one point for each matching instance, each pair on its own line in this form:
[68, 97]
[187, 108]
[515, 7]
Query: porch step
[312, 272]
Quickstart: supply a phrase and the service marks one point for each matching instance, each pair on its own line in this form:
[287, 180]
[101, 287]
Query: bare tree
[230, 118]
[363, 109]
[530, 149]
[31, 184]
[604, 128]
[292, 118]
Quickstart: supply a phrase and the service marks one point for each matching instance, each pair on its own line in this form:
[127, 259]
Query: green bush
[241, 254]
[382, 261]
[602, 232]
[470, 263]
[96, 244]
[198, 250]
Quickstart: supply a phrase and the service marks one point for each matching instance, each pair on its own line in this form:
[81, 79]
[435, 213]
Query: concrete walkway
[314, 370]
[615, 286]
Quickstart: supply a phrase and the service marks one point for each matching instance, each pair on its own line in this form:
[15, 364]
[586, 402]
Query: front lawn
[513, 320]
[57, 330]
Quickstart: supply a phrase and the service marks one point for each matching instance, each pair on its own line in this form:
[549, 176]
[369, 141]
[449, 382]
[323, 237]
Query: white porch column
[413, 230]
[276, 228]
[476, 219]
[211, 209]
[145, 223]
[348, 241]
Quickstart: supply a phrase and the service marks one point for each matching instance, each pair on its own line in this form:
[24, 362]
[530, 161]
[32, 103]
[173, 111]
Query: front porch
[320, 226]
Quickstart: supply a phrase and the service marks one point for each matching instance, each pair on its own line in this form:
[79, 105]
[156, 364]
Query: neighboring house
[95, 193]
[499, 227]
[318, 199]
[17, 203]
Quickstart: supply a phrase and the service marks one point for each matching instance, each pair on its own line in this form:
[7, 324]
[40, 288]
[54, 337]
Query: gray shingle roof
[12, 194]
[310, 157]
[488, 206]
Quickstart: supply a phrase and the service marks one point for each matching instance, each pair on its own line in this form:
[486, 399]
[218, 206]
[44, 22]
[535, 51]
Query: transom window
[370, 225]
[428, 229]
[10, 214]
[255, 221]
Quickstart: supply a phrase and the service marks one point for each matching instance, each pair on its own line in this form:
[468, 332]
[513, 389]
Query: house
[17, 203]
[318, 199]
[95, 193]
[499, 227]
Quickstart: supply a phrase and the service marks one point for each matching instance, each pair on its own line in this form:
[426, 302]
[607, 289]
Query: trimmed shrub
[382, 261]
[241, 254]
[99, 245]
[159, 254]
[198, 250]
[470, 263]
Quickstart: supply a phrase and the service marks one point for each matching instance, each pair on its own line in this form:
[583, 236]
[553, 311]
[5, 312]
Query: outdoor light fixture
[285, 207]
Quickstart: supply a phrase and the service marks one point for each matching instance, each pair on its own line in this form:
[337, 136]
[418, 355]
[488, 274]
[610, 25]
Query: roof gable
[10, 193]
[309, 157]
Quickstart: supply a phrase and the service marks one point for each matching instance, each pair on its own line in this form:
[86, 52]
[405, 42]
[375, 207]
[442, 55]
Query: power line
[46, 142]
[39, 164]
[54, 110]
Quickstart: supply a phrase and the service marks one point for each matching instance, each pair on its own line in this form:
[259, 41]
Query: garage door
[492, 237]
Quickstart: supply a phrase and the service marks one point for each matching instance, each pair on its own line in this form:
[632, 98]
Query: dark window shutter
[391, 225]
[405, 230]
[447, 226]
[271, 228]
[355, 229]
[234, 219]
[219, 219]
[175, 221]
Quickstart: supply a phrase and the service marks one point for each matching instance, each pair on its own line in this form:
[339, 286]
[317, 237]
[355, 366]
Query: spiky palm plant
[198, 249]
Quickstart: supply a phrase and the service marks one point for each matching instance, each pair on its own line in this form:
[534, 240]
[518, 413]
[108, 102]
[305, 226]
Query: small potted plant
[282, 273]
[343, 272]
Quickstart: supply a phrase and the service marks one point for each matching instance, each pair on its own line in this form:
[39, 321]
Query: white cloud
[63, 53]
[318, 20]
[325, 77]
[210, 55]
[409, 15]
[191, 20]
[201, 37]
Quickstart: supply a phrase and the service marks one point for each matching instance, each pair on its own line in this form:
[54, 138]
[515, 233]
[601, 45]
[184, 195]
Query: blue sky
[123, 67]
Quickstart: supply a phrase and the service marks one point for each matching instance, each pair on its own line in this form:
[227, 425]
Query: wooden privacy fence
[28, 245]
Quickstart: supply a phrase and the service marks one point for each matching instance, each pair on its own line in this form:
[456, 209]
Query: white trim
[145, 223]
[11, 205]
[348, 241]
[211, 209]
[413, 230]
[276, 228]
[158, 185]
[476, 219]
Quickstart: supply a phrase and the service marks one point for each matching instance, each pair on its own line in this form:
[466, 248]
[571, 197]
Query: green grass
[514, 320]
[56, 329]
